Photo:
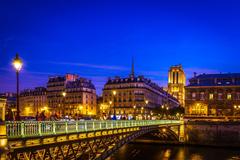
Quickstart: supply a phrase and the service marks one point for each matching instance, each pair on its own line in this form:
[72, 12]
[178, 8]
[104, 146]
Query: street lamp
[64, 95]
[110, 111]
[146, 102]
[134, 112]
[17, 63]
[80, 109]
[114, 110]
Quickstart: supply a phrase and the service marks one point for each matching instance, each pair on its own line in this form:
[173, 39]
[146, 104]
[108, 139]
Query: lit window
[210, 96]
[229, 96]
[193, 95]
[202, 95]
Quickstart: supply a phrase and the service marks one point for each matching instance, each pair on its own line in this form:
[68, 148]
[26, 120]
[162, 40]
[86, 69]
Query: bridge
[96, 139]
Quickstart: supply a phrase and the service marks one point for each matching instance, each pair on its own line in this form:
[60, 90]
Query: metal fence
[20, 129]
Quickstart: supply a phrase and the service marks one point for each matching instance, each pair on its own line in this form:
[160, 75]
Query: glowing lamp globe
[17, 63]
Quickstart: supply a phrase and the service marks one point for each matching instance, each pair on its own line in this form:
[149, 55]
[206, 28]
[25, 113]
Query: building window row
[220, 96]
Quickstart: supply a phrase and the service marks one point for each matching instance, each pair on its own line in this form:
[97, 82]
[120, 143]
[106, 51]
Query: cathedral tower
[177, 82]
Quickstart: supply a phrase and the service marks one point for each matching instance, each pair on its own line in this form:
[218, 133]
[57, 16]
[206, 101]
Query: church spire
[132, 72]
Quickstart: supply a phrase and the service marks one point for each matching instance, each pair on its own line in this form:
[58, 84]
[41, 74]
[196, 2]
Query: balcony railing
[21, 129]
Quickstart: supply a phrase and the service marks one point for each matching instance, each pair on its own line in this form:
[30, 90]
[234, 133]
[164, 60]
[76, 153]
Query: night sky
[97, 39]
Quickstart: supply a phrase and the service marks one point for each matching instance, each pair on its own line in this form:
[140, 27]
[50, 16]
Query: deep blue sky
[96, 39]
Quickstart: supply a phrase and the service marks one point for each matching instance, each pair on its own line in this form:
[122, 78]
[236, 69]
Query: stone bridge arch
[161, 134]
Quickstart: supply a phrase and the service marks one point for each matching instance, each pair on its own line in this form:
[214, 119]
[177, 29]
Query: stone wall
[212, 133]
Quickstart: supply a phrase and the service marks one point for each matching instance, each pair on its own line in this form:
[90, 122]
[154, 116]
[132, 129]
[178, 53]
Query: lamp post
[134, 112]
[142, 110]
[146, 102]
[17, 63]
[114, 109]
[80, 109]
[64, 95]
[109, 113]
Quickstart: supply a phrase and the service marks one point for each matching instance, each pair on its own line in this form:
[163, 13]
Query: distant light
[146, 101]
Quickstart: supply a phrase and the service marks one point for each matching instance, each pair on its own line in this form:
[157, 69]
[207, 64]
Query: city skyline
[100, 84]
[97, 40]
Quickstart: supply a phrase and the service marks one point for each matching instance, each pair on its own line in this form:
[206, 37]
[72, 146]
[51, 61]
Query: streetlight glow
[17, 63]
[80, 107]
[64, 94]
[146, 101]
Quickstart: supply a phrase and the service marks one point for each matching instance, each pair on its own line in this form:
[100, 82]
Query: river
[136, 151]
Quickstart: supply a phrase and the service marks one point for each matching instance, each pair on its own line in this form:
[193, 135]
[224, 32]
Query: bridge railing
[21, 129]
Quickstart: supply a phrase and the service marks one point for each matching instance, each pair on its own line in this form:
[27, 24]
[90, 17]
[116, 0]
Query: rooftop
[222, 79]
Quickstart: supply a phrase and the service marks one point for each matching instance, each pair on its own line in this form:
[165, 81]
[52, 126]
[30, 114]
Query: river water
[136, 151]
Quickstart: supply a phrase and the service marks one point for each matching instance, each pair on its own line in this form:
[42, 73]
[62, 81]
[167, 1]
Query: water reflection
[169, 152]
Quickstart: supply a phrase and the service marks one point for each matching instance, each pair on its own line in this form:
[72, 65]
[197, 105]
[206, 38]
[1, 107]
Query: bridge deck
[26, 129]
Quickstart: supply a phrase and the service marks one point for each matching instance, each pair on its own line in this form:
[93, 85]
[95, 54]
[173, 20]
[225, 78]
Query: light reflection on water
[169, 152]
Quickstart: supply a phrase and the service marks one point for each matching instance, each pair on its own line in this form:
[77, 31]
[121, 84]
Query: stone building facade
[71, 95]
[80, 97]
[11, 100]
[32, 101]
[213, 94]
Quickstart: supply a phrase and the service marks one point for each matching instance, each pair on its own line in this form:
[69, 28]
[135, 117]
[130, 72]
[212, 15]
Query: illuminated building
[80, 98]
[177, 82]
[213, 94]
[32, 101]
[135, 96]
[70, 95]
[55, 87]
[10, 100]
[3, 102]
